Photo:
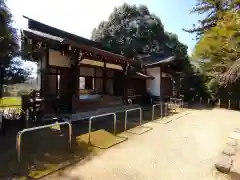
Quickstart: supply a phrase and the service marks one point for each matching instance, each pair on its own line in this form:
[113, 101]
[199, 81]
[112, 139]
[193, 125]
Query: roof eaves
[144, 75]
[161, 61]
[44, 35]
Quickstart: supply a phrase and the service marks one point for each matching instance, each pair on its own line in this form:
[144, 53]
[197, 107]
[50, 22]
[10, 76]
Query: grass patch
[101, 139]
[42, 152]
[46, 151]
[10, 102]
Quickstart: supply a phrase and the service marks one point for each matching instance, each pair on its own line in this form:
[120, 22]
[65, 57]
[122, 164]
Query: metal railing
[97, 116]
[166, 106]
[178, 102]
[153, 110]
[20, 133]
[130, 110]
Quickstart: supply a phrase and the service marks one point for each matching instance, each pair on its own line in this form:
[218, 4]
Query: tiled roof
[156, 59]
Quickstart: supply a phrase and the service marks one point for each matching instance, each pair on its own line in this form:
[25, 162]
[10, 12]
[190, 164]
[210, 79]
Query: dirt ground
[185, 148]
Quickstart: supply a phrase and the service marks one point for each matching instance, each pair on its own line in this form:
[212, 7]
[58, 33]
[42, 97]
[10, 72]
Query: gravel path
[185, 149]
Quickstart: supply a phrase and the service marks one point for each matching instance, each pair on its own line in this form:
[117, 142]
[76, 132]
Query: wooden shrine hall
[77, 74]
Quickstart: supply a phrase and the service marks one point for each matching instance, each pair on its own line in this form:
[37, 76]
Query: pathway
[184, 149]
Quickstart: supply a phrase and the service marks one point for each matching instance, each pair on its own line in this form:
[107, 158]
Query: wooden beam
[112, 56]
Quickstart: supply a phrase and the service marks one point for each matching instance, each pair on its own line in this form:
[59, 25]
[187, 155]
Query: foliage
[15, 73]
[16, 90]
[213, 10]
[213, 86]
[219, 45]
[134, 30]
[130, 26]
[10, 68]
[193, 82]
[218, 48]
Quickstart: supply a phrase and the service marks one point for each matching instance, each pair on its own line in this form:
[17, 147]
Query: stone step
[229, 150]
[234, 135]
[232, 142]
[224, 164]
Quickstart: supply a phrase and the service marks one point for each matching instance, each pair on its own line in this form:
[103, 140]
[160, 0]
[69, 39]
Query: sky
[82, 16]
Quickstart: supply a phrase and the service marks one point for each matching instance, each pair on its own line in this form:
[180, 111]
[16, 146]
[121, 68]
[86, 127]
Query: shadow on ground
[42, 152]
[46, 151]
[198, 106]
[234, 176]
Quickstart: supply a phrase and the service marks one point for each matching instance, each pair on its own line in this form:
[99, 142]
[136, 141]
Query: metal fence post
[219, 103]
[166, 108]
[89, 130]
[153, 112]
[229, 104]
[182, 104]
[161, 109]
[1, 120]
[134, 109]
[101, 115]
[20, 133]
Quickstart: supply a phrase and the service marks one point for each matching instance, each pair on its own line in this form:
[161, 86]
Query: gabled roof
[43, 31]
[156, 59]
[30, 32]
[41, 27]
[144, 75]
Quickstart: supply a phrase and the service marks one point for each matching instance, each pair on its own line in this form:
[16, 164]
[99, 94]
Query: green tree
[219, 45]
[10, 69]
[219, 48]
[212, 10]
[134, 30]
[131, 29]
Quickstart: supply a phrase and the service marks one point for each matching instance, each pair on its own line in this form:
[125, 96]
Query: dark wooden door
[118, 84]
[166, 87]
[67, 86]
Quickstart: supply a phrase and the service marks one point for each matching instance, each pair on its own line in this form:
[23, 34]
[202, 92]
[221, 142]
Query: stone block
[229, 150]
[236, 130]
[232, 142]
[234, 135]
[224, 164]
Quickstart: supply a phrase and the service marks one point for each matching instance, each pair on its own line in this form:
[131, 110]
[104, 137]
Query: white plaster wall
[153, 85]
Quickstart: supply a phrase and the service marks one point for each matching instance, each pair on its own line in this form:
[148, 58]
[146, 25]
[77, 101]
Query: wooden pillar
[95, 80]
[161, 87]
[44, 73]
[125, 83]
[126, 88]
[76, 80]
[104, 78]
